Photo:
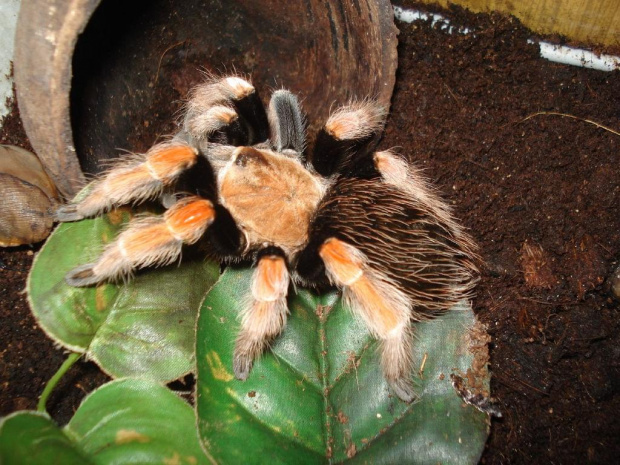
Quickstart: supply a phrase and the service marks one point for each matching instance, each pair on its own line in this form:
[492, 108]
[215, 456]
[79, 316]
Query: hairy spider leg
[132, 180]
[212, 116]
[349, 136]
[264, 314]
[148, 241]
[231, 100]
[395, 170]
[383, 307]
[252, 112]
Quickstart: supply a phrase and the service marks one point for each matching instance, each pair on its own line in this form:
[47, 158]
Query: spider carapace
[363, 220]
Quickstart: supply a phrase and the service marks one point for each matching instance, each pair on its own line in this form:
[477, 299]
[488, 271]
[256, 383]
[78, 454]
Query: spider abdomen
[401, 238]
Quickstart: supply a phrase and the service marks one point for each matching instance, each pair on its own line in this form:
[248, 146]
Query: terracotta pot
[94, 77]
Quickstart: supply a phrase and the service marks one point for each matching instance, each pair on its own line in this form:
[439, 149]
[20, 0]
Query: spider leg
[133, 179]
[350, 134]
[395, 170]
[227, 110]
[265, 312]
[383, 307]
[149, 241]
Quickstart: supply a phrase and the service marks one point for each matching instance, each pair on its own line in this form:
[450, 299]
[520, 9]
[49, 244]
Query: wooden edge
[47, 31]
[592, 22]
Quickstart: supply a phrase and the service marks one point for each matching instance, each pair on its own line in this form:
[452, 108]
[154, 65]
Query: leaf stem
[51, 384]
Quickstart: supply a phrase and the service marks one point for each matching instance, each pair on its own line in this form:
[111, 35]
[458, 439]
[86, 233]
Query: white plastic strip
[409, 16]
[578, 57]
[551, 52]
[8, 22]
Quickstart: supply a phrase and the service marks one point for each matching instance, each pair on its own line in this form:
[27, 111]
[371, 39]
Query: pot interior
[136, 61]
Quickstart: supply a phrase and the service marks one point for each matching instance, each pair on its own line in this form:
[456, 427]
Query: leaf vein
[298, 372]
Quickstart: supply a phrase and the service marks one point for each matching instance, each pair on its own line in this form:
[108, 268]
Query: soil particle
[342, 418]
[11, 129]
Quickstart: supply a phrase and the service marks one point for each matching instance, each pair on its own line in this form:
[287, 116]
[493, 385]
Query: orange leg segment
[264, 316]
[150, 241]
[384, 308]
[134, 179]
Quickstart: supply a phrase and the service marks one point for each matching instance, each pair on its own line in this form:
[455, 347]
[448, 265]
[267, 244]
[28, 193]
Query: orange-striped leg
[396, 171]
[150, 241]
[383, 307]
[230, 100]
[348, 135]
[134, 179]
[265, 313]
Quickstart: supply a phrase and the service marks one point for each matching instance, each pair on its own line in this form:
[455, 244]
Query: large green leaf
[320, 396]
[145, 328]
[123, 422]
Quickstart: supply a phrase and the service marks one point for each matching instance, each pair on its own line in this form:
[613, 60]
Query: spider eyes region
[365, 221]
[247, 155]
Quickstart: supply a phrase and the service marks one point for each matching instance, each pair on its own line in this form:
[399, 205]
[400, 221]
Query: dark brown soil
[540, 193]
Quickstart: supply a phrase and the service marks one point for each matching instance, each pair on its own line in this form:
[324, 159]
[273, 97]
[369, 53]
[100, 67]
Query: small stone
[614, 283]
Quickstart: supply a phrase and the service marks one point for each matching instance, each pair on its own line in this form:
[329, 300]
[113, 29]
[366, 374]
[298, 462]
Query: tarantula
[365, 221]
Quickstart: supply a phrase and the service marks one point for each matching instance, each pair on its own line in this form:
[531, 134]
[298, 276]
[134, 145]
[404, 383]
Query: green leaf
[145, 328]
[126, 421]
[136, 421]
[320, 397]
[34, 438]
